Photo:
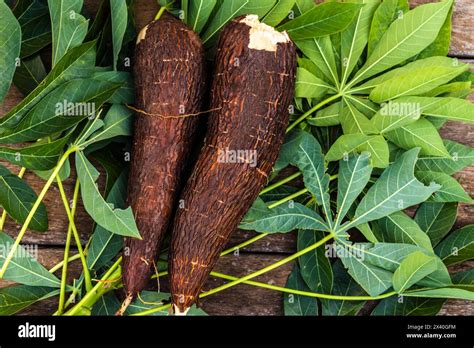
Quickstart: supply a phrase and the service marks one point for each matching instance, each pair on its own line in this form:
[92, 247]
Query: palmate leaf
[10, 41]
[24, 268]
[16, 298]
[450, 191]
[77, 63]
[17, 198]
[279, 12]
[297, 305]
[354, 121]
[376, 145]
[396, 189]
[315, 266]
[69, 27]
[119, 15]
[405, 37]
[412, 269]
[354, 174]
[115, 220]
[328, 116]
[458, 246]
[325, 19]
[436, 219]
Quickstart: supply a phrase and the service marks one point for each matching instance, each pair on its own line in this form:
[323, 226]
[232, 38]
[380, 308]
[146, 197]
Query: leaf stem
[60, 264]
[310, 111]
[288, 198]
[280, 183]
[72, 224]
[4, 213]
[34, 208]
[62, 294]
[160, 12]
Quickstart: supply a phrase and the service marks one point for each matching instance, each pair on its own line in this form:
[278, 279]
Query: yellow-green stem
[160, 12]
[59, 265]
[281, 182]
[62, 293]
[87, 277]
[4, 213]
[34, 209]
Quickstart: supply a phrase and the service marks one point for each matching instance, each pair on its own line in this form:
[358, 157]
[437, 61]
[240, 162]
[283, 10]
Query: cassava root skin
[252, 88]
[169, 72]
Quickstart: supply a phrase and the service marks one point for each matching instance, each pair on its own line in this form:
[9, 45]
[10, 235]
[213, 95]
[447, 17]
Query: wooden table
[243, 299]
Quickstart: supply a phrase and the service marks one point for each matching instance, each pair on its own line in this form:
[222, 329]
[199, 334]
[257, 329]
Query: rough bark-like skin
[169, 78]
[253, 89]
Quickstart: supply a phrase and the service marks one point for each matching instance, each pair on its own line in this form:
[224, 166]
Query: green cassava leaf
[453, 87]
[297, 305]
[446, 108]
[279, 12]
[408, 306]
[400, 228]
[119, 15]
[35, 27]
[69, 27]
[315, 267]
[107, 305]
[464, 279]
[17, 198]
[396, 189]
[454, 293]
[41, 156]
[16, 298]
[302, 6]
[77, 63]
[389, 255]
[436, 219]
[24, 268]
[374, 144]
[450, 191]
[354, 174]
[328, 116]
[29, 74]
[69, 104]
[199, 12]
[395, 114]
[10, 41]
[412, 269]
[325, 19]
[422, 134]
[126, 93]
[115, 220]
[387, 12]
[402, 39]
[354, 121]
[308, 85]
[458, 246]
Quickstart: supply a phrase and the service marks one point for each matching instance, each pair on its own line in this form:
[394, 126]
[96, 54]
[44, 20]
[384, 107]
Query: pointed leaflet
[66, 106]
[24, 268]
[35, 27]
[328, 116]
[29, 74]
[315, 267]
[198, 13]
[354, 121]
[69, 28]
[450, 191]
[308, 85]
[453, 87]
[454, 293]
[354, 38]
[108, 305]
[396, 189]
[461, 157]
[402, 39]
[446, 108]
[400, 228]
[395, 114]
[389, 256]
[408, 306]
[279, 12]
[297, 305]
[284, 218]
[77, 63]
[344, 285]
[17, 198]
[387, 12]
[16, 298]
[104, 245]
[302, 6]
[458, 246]
[413, 268]
[10, 41]
[354, 174]
[416, 83]
[126, 93]
[119, 15]
[373, 280]
[115, 220]
[436, 219]
[374, 144]
[420, 133]
[325, 19]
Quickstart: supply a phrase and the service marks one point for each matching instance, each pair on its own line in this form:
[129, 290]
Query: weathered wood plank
[241, 299]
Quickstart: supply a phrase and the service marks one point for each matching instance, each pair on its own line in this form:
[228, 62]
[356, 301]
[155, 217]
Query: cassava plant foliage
[373, 88]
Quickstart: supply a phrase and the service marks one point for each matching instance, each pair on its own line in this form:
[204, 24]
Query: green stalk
[87, 277]
[310, 111]
[280, 183]
[160, 12]
[59, 265]
[62, 294]
[34, 208]
[4, 213]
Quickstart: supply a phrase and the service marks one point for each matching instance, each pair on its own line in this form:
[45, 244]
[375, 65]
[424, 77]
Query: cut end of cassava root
[180, 312]
[142, 34]
[263, 36]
